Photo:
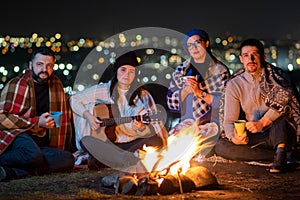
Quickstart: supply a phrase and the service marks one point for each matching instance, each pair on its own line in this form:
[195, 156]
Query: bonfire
[167, 169]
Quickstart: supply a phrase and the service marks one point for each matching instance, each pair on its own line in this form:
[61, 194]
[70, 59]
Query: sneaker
[2, 174]
[292, 160]
[279, 164]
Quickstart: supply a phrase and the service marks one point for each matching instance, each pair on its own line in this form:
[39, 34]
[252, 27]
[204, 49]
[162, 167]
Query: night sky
[263, 19]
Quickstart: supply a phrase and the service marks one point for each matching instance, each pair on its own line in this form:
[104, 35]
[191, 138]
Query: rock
[171, 185]
[202, 177]
[110, 180]
[127, 185]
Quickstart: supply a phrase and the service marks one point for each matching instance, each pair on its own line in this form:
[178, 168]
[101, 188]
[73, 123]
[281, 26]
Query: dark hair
[129, 58]
[44, 51]
[255, 43]
[132, 92]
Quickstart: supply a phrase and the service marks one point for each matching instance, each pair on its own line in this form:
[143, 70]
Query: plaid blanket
[214, 81]
[280, 94]
[18, 108]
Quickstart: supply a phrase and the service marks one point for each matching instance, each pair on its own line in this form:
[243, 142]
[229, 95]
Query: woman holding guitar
[119, 101]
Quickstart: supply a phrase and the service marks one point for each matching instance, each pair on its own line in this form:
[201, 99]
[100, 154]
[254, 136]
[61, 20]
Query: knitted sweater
[268, 93]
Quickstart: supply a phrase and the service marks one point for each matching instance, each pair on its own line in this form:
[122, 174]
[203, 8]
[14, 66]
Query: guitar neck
[119, 120]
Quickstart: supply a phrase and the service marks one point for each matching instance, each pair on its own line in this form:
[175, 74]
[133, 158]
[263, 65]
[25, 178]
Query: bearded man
[30, 141]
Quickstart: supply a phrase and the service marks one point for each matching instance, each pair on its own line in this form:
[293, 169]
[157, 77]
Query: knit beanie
[203, 34]
[128, 58]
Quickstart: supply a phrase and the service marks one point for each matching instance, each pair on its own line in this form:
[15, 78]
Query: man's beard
[38, 79]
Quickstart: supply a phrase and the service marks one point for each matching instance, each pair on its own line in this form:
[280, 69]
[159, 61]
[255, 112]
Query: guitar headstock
[151, 117]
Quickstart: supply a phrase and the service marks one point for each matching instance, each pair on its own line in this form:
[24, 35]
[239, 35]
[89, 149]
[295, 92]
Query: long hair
[134, 90]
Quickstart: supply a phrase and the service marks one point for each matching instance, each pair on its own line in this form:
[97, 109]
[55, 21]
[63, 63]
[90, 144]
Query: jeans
[261, 146]
[281, 132]
[140, 142]
[25, 158]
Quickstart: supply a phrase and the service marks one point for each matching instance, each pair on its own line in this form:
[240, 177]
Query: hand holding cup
[57, 117]
[240, 125]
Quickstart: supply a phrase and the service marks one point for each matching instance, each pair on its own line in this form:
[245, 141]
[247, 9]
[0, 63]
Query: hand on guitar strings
[93, 121]
[139, 125]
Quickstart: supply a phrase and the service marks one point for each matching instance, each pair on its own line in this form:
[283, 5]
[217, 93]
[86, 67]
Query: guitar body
[104, 111]
[109, 115]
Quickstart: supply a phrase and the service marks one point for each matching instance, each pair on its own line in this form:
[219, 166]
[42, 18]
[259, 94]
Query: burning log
[147, 186]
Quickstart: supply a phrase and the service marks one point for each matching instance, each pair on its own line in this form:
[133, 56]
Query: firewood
[147, 186]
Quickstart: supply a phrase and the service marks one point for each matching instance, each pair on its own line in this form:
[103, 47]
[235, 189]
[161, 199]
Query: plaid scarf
[18, 108]
[214, 81]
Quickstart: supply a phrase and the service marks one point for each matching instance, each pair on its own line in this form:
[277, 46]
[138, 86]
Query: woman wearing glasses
[197, 84]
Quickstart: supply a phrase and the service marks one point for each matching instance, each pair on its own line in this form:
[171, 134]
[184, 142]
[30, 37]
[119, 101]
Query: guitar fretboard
[120, 120]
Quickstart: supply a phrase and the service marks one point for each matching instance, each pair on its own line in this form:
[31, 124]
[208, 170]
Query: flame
[181, 148]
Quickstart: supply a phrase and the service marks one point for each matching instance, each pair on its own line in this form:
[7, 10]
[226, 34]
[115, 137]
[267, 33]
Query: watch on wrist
[203, 94]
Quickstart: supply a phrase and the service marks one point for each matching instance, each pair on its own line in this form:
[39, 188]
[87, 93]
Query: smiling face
[251, 59]
[42, 67]
[125, 76]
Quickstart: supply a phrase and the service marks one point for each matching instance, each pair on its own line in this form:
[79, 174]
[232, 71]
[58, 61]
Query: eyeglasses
[195, 44]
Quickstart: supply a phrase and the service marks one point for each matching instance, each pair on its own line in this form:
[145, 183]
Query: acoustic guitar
[104, 113]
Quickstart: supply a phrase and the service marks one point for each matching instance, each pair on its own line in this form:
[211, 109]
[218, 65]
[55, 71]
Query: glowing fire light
[182, 147]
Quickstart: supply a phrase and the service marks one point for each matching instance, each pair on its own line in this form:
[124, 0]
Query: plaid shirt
[214, 81]
[18, 108]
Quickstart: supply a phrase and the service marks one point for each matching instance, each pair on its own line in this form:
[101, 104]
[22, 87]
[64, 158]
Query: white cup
[186, 77]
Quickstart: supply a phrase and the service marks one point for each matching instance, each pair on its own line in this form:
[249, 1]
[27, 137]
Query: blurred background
[76, 29]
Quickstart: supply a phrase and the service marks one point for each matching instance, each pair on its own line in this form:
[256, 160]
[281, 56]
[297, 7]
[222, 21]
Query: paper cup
[186, 77]
[57, 117]
[240, 127]
[197, 77]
